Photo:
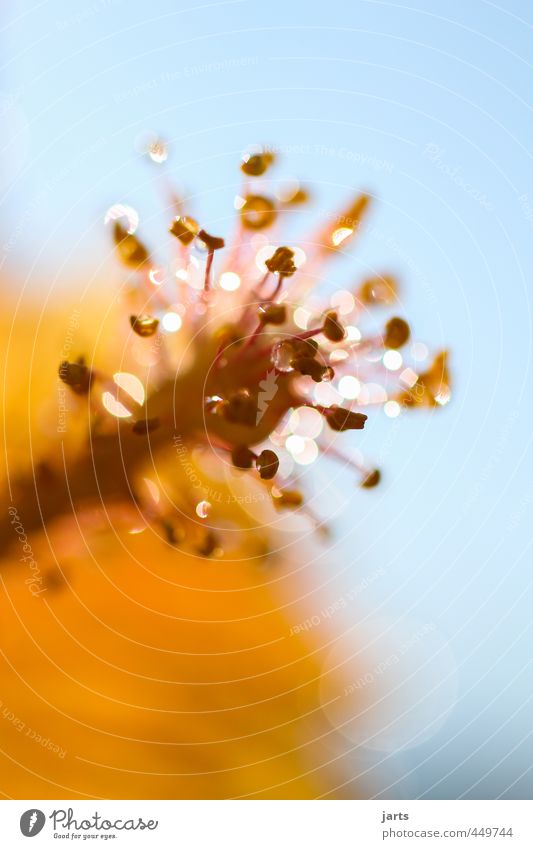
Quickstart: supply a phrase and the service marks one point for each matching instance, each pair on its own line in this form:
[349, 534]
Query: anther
[76, 375]
[185, 229]
[144, 325]
[341, 419]
[290, 498]
[130, 249]
[333, 329]
[272, 313]
[257, 212]
[267, 464]
[372, 479]
[242, 457]
[212, 243]
[397, 333]
[282, 262]
[254, 165]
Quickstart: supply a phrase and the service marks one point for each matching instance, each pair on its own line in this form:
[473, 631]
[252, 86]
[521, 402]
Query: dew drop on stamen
[282, 356]
[114, 407]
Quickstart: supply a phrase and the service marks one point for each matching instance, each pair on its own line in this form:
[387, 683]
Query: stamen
[76, 375]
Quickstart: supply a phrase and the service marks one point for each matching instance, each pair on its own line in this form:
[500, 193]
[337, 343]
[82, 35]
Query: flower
[120, 650]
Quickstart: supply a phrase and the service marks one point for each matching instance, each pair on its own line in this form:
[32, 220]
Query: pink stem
[338, 455]
[251, 339]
